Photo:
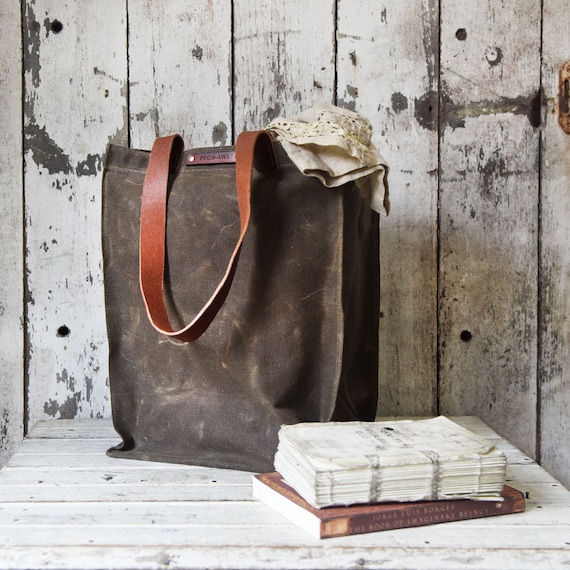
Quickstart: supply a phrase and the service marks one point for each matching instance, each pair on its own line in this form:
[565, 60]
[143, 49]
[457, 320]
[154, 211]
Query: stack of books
[369, 462]
[365, 468]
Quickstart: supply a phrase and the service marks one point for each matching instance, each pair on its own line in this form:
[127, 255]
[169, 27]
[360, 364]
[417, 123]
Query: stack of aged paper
[344, 463]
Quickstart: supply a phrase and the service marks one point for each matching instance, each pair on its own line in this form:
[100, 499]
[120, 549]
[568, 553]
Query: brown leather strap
[256, 146]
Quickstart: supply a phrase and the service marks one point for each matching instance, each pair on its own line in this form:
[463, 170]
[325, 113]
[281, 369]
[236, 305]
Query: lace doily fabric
[334, 145]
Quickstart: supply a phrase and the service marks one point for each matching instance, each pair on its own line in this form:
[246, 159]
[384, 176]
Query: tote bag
[239, 297]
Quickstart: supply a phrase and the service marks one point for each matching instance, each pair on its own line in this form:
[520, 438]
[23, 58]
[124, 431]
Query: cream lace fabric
[334, 145]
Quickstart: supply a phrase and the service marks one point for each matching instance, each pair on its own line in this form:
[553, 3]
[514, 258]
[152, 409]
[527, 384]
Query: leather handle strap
[252, 148]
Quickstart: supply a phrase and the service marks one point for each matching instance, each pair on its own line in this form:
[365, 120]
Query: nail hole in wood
[56, 26]
[63, 331]
[465, 336]
[461, 34]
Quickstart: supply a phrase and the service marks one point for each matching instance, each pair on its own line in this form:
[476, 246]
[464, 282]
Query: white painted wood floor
[64, 504]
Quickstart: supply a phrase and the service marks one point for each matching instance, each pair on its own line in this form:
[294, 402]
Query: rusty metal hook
[564, 98]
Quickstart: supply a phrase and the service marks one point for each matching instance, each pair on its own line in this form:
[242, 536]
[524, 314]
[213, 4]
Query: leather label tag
[200, 157]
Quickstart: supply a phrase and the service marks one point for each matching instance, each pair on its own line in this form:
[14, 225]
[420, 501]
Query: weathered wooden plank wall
[11, 235]
[475, 278]
[74, 104]
[490, 79]
[554, 282]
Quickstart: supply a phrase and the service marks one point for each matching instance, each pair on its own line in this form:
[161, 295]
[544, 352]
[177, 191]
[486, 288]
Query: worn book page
[351, 444]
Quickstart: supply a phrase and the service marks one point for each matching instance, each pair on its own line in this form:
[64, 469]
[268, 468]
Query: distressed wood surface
[284, 59]
[74, 507]
[75, 103]
[393, 81]
[490, 79]
[554, 284]
[180, 72]
[11, 222]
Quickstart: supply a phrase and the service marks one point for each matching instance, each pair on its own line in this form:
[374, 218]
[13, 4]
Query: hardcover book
[271, 489]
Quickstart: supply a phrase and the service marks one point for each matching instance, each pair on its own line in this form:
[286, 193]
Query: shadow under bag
[239, 297]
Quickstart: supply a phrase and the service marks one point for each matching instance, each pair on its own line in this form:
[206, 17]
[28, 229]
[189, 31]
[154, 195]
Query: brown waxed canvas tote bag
[239, 297]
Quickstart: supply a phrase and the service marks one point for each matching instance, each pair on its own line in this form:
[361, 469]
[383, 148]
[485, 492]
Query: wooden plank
[490, 77]
[180, 71]
[150, 514]
[39, 447]
[126, 486]
[204, 529]
[75, 81]
[92, 460]
[74, 429]
[387, 56]
[122, 472]
[554, 332]
[11, 223]
[313, 557]
[201, 523]
[283, 59]
[523, 474]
